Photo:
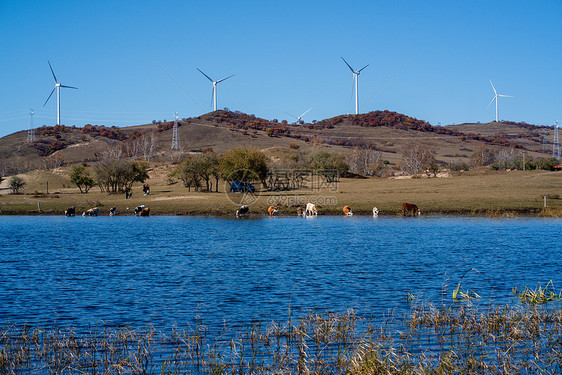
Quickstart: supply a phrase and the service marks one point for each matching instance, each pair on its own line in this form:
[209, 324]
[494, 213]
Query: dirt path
[5, 186]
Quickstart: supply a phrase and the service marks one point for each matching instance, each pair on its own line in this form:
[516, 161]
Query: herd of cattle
[408, 209]
[139, 211]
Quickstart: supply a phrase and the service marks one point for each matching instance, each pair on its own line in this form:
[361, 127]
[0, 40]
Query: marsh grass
[455, 339]
[539, 295]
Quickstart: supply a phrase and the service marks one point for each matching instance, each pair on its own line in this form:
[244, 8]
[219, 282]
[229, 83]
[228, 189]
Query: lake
[97, 271]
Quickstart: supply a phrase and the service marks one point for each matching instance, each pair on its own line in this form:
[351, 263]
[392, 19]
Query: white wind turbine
[496, 95]
[299, 117]
[355, 83]
[57, 87]
[214, 94]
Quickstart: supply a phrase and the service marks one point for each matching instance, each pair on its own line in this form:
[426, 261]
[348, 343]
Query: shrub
[16, 184]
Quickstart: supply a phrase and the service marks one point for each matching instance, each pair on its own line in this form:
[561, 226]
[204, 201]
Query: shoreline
[507, 213]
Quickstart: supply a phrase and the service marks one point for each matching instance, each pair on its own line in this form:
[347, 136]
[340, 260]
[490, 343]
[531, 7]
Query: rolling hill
[388, 132]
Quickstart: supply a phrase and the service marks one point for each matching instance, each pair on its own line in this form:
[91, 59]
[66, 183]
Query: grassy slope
[476, 192]
[206, 131]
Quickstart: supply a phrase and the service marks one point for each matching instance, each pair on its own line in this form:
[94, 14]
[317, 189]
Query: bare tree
[364, 161]
[417, 158]
[148, 144]
[507, 157]
[111, 153]
[484, 156]
[53, 161]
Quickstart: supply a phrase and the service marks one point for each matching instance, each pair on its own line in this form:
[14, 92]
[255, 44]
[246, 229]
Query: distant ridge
[386, 131]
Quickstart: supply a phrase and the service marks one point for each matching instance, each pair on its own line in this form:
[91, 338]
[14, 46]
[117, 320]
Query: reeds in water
[455, 339]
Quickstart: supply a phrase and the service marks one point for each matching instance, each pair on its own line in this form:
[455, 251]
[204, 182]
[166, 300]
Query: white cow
[375, 212]
[310, 210]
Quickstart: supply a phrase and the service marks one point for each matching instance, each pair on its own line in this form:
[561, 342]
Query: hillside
[388, 132]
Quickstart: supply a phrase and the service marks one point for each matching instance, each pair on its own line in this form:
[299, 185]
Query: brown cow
[272, 211]
[412, 209]
[145, 212]
[347, 211]
[91, 212]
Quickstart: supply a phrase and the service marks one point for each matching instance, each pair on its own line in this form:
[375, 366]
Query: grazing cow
[411, 209]
[91, 212]
[244, 211]
[145, 212]
[299, 211]
[310, 210]
[138, 209]
[375, 212]
[71, 211]
[347, 211]
[113, 211]
[272, 210]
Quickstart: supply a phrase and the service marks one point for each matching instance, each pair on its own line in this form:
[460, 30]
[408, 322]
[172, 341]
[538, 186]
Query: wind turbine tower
[31, 131]
[496, 95]
[175, 134]
[299, 117]
[556, 144]
[215, 83]
[57, 87]
[355, 83]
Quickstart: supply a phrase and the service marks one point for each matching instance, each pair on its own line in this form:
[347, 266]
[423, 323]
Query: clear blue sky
[285, 56]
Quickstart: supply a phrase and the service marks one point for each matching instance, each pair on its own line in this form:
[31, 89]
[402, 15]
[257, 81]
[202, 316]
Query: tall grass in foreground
[503, 339]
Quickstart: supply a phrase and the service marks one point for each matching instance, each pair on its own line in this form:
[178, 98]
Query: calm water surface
[76, 272]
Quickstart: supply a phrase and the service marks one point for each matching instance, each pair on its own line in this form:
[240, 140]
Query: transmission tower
[175, 134]
[31, 131]
[556, 144]
[544, 141]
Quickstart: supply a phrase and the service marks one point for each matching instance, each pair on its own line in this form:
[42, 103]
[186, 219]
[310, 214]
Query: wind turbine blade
[212, 96]
[353, 85]
[69, 87]
[54, 76]
[494, 98]
[291, 115]
[176, 82]
[362, 68]
[209, 78]
[224, 79]
[50, 96]
[495, 92]
[349, 66]
[306, 112]
[506, 96]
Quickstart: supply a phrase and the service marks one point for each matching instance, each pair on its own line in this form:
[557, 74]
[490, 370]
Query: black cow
[244, 211]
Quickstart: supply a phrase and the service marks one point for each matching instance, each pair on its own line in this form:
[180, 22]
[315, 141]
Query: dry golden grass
[480, 192]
